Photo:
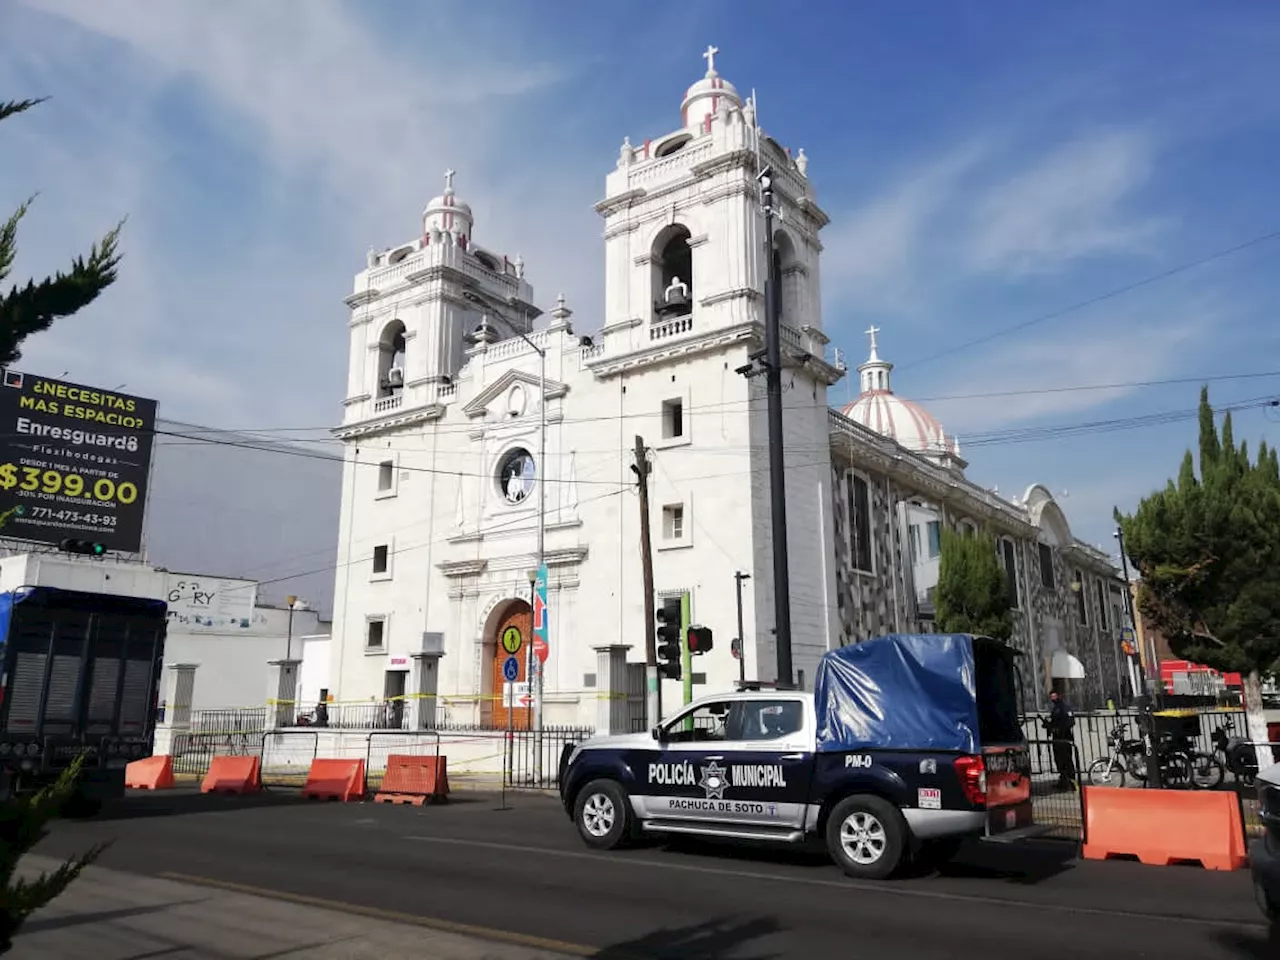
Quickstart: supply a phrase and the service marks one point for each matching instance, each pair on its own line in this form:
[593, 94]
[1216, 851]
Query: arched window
[785, 263]
[391, 359]
[672, 271]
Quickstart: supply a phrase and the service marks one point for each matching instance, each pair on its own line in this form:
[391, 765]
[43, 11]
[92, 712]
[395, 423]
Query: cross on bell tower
[710, 57]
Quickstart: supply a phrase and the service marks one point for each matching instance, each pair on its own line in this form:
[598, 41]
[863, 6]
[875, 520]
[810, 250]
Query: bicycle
[1126, 758]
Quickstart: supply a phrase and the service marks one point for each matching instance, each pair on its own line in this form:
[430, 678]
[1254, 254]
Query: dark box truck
[79, 673]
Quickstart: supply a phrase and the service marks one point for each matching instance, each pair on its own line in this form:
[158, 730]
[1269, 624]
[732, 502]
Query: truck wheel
[867, 837]
[603, 815]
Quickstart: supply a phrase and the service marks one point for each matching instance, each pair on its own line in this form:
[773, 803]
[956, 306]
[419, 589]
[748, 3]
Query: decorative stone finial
[519, 262]
[627, 153]
[371, 258]
[802, 163]
[560, 312]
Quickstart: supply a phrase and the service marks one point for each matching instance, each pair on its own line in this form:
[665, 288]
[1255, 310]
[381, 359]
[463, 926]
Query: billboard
[74, 461]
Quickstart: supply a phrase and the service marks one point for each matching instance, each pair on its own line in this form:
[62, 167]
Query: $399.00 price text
[38, 480]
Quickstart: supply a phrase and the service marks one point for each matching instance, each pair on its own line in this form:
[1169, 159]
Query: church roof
[878, 408]
[706, 96]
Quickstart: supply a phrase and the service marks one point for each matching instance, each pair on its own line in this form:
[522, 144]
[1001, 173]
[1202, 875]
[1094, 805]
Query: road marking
[850, 884]
[393, 916]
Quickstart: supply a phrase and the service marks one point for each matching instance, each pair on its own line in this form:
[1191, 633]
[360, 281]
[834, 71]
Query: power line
[1109, 295]
[196, 434]
[994, 439]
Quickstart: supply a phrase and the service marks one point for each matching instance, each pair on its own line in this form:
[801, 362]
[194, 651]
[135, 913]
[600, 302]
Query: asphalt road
[523, 870]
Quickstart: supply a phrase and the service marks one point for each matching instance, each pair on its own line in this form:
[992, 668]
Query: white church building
[470, 414]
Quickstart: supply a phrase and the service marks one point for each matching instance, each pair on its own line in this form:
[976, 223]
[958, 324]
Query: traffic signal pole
[653, 699]
[686, 658]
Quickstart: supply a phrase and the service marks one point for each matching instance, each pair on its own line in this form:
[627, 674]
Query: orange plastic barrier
[414, 780]
[335, 780]
[150, 773]
[233, 775]
[1161, 827]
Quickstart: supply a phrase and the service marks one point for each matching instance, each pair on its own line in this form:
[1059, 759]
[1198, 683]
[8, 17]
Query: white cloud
[238, 322]
[872, 257]
[1123, 347]
[1068, 206]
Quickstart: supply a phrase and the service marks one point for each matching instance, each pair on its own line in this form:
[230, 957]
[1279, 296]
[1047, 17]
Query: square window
[375, 635]
[672, 419]
[673, 521]
[386, 475]
[380, 558]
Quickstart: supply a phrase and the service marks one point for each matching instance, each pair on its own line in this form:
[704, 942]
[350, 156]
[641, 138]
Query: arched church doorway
[512, 631]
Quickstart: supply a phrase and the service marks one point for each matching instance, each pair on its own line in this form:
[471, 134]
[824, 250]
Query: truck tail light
[973, 779]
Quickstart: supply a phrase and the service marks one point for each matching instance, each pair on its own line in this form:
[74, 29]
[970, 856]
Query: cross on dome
[871, 332]
[710, 57]
[448, 180]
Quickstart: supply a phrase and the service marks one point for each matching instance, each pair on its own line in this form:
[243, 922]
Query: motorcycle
[1238, 754]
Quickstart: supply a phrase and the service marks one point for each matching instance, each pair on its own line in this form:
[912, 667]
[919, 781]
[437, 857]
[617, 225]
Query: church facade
[482, 436]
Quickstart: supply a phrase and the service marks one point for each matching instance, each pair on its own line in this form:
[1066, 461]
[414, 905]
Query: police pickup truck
[908, 745]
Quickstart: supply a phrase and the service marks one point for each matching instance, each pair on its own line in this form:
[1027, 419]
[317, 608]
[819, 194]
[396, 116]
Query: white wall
[232, 662]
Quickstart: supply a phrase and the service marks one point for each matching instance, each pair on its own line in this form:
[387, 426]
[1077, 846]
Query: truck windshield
[997, 693]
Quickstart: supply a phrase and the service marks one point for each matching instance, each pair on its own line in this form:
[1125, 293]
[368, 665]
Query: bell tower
[684, 244]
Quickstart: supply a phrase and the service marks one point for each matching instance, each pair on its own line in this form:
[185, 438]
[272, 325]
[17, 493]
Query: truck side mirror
[658, 734]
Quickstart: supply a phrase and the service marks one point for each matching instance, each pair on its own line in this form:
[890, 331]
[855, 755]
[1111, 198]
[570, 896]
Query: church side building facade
[453, 489]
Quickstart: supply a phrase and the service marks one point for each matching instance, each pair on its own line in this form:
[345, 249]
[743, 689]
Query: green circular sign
[511, 639]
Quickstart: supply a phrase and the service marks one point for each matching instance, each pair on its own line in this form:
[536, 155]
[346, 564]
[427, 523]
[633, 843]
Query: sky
[1021, 195]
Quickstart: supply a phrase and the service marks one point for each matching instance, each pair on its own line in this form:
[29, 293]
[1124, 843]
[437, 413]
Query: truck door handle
[792, 756]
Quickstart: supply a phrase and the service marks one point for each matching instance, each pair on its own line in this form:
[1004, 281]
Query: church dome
[447, 214]
[878, 408]
[706, 96]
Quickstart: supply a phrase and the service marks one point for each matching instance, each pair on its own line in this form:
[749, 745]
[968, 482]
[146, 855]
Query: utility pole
[738, 577]
[777, 466]
[653, 701]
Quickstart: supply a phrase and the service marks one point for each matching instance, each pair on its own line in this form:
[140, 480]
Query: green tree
[31, 308]
[23, 823]
[25, 310]
[1207, 547]
[973, 592]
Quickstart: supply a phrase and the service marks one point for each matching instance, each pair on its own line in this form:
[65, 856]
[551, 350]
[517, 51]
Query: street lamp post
[288, 643]
[540, 477]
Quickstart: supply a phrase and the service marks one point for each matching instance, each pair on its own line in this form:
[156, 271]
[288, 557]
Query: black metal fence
[1056, 795]
[532, 757]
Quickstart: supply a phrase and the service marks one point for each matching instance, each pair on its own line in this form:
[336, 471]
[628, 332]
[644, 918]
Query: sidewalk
[111, 915]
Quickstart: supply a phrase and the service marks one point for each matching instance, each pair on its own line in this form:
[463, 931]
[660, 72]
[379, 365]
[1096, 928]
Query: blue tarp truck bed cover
[79, 673]
[901, 691]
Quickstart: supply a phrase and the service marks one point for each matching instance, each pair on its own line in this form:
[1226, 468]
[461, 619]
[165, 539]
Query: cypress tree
[973, 592]
[1208, 551]
[29, 309]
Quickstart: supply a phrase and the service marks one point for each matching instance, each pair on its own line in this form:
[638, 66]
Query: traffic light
[668, 617]
[699, 639]
[87, 547]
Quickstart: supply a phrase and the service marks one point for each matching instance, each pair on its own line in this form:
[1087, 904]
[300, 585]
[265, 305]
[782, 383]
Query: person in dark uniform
[1061, 726]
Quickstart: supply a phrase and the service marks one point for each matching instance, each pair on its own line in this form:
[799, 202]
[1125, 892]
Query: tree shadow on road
[712, 940]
